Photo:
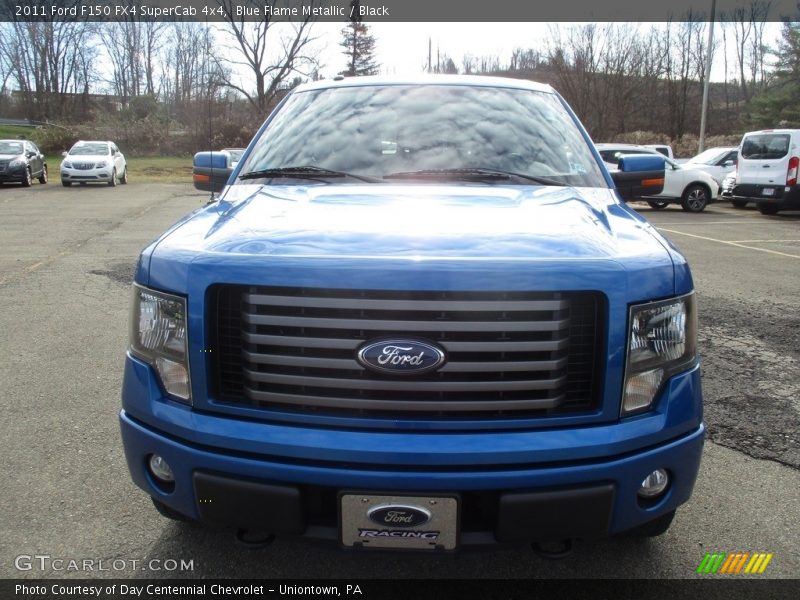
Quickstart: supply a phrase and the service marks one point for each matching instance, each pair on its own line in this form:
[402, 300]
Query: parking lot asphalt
[65, 272]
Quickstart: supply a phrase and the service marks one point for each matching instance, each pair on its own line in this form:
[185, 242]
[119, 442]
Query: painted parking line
[737, 244]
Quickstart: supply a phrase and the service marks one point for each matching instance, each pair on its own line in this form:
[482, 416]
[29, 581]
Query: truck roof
[465, 80]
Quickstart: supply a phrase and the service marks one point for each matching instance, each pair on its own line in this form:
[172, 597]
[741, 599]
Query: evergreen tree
[359, 46]
[777, 105]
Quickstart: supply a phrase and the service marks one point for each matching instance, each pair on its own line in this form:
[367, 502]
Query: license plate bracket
[398, 521]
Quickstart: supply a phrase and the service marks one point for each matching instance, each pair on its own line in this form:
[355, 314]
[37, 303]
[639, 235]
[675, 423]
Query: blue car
[418, 316]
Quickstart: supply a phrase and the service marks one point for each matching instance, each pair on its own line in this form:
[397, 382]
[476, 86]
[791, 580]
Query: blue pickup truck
[419, 315]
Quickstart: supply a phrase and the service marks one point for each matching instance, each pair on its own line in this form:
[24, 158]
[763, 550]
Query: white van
[767, 170]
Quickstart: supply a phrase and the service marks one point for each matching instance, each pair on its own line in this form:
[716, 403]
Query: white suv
[93, 161]
[693, 189]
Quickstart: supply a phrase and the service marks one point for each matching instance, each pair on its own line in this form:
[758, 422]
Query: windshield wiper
[303, 172]
[470, 173]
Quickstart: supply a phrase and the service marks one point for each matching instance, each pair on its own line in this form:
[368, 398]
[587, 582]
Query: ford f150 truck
[419, 316]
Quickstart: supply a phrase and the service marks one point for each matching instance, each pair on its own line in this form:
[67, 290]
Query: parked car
[717, 162]
[767, 170]
[692, 188]
[664, 149]
[235, 154]
[94, 162]
[21, 161]
[726, 191]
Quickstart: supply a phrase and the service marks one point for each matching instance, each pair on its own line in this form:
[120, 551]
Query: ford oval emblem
[400, 357]
[396, 515]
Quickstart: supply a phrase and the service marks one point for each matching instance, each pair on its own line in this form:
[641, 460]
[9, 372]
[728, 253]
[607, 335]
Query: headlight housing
[17, 162]
[101, 164]
[662, 341]
[159, 336]
[67, 165]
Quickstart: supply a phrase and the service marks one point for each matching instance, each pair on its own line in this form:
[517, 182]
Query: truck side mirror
[210, 171]
[639, 175]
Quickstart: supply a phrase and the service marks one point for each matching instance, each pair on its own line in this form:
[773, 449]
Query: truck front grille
[508, 353]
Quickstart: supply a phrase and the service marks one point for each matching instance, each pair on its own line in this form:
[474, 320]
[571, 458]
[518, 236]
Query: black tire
[768, 209]
[43, 176]
[27, 180]
[658, 204]
[739, 203]
[124, 179]
[113, 181]
[695, 198]
[652, 528]
[169, 513]
[66, 183]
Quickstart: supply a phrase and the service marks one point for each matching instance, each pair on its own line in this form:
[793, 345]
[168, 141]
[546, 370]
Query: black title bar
[393, 10]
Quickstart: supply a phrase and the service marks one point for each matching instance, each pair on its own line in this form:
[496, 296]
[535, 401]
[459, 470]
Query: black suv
[21, 160]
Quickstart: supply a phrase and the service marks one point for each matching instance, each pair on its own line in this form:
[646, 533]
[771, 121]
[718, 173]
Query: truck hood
[416, 221]
[376, 224]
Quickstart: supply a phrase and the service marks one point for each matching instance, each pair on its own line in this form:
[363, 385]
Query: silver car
[94, 161]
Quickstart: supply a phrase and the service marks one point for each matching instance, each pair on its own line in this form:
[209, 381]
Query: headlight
[662, 341]
[17, 162]
[158, 335]
[66, 165]
[101, 164]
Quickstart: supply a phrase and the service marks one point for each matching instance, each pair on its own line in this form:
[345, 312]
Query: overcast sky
[402, 48]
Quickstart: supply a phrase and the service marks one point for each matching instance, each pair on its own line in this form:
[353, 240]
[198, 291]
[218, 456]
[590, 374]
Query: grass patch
[160, 169]
[15, 132]
[152, 169]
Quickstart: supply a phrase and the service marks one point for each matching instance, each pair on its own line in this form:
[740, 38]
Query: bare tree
[132, 47]
[44, 61]
[272, 54]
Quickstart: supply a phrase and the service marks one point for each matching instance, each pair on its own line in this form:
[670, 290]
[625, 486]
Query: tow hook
[253, 539]
[553, 550]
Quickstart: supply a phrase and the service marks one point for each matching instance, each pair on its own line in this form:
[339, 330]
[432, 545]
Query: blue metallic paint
[463, 237]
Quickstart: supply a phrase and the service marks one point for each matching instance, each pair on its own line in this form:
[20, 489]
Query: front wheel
[27, 179]
[768, 209]
[695, 198]
[658, 204]
[124, 179]
[739, 203]
[43, 176]
[66, 183]
[113, 181]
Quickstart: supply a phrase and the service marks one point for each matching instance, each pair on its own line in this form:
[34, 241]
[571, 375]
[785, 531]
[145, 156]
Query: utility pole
[704, 109]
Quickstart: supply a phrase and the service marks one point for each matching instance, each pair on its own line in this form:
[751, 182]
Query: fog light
[160, 469]
[654, 484]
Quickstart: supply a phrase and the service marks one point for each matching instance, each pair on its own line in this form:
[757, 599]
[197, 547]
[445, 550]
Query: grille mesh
[508, 353]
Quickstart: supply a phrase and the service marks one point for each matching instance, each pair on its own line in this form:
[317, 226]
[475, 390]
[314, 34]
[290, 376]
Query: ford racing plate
[398, 522]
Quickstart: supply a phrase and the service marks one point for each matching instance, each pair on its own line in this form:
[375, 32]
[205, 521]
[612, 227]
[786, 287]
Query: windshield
[90, 149]
[10, 147]
[707, 157]
[379, 130]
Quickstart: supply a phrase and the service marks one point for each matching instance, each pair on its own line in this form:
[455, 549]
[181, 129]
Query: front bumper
[784, 197]
[577, 482]
[15, 174]
[102, 174]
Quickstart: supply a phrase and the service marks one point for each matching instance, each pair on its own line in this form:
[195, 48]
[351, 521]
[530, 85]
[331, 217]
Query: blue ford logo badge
[396, 515]
[401, 357]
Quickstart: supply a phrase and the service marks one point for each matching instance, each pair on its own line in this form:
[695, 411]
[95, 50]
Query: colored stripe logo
[734, 563]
